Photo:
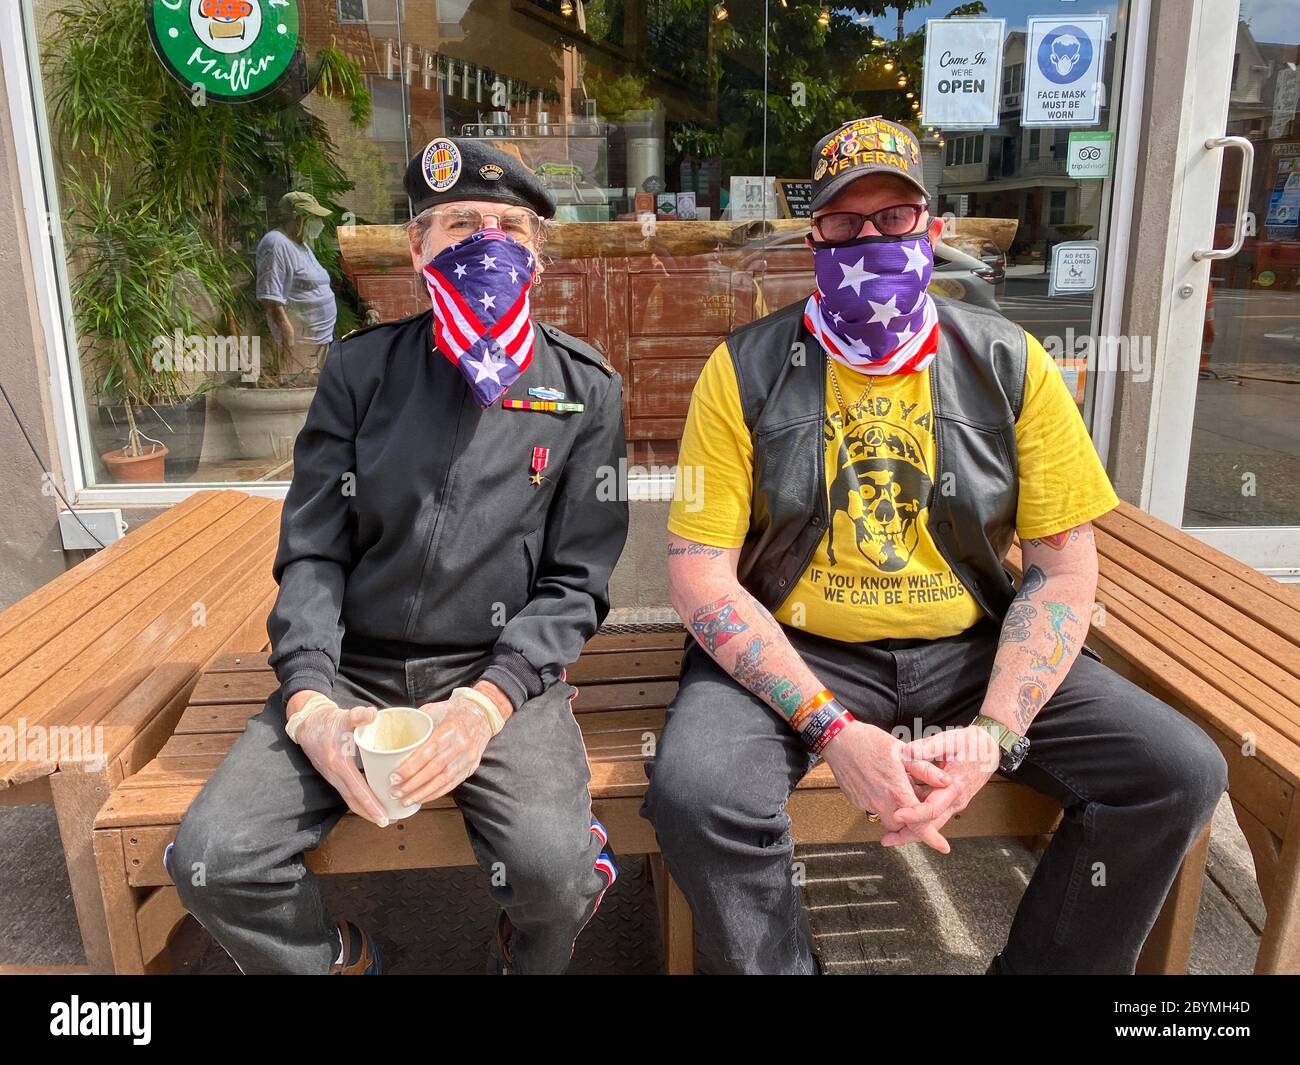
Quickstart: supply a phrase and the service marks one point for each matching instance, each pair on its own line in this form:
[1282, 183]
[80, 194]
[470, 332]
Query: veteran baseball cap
[861, 147]
[464, 168]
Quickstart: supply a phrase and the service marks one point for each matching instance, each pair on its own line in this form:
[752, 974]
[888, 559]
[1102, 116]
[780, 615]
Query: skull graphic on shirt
[882, 486]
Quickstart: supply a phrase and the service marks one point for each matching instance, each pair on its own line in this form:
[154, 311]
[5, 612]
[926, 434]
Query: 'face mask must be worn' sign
[230, 50]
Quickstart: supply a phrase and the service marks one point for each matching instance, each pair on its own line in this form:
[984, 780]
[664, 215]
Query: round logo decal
[440, 164]
[1065, 55]
[231, 49]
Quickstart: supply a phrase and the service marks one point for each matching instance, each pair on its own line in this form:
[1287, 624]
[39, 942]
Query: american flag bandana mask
[871, 310]
[481, 315]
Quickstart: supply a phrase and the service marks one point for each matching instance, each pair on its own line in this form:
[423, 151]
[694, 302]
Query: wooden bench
[97, 665]
[624, 682]
[1219, 642]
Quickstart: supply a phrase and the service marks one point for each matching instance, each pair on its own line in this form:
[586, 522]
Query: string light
[720, 13]
[824, 17]
[902, 80]
[910, 94]
[889, 66]
[566, 8]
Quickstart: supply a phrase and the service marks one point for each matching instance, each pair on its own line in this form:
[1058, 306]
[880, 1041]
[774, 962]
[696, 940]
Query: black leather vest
[976, 387]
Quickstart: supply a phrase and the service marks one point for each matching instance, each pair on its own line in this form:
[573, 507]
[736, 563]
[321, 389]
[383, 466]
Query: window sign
[1074, 267]
[963, 72]
[1089, 154]
[1065, 59]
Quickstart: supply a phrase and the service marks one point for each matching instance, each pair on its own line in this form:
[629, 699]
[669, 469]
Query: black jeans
[237, 861]
[1137, 782]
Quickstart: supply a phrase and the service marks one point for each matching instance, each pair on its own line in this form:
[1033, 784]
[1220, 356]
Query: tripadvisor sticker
[230, 49]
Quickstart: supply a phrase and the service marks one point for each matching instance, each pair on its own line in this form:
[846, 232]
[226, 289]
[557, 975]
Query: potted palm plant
[139, 283]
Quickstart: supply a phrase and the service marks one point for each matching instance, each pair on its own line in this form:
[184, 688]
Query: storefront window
[1246, 434]
[675, 135]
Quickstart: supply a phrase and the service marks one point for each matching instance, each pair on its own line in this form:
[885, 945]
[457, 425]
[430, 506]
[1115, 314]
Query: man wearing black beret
[446, 543]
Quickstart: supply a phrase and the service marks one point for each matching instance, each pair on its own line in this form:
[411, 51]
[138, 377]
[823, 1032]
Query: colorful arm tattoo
[717, 622]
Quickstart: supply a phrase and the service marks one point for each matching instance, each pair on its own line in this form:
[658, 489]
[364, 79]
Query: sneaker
[360, 956]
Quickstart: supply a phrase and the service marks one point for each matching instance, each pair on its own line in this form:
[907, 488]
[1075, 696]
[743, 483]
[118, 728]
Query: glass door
[1242, 485]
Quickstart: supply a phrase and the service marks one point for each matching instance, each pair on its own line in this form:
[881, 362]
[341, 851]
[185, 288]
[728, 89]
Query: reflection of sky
[1272, 21]
[1016, 12]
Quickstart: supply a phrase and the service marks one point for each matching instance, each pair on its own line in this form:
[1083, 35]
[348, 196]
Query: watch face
[1012, 758]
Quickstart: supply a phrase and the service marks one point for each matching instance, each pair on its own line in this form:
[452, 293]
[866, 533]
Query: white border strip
[1124, 166]
[39, 218]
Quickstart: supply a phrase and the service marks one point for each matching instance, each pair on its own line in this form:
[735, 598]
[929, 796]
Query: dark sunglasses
[836, 227]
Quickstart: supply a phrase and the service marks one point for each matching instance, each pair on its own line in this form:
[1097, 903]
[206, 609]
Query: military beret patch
[490, 172]
[440, 164]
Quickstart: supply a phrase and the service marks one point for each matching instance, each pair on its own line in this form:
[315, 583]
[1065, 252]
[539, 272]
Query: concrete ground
[873, 910]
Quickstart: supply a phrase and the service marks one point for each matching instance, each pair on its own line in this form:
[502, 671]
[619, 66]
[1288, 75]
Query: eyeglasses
[899, 220]
[518, 223]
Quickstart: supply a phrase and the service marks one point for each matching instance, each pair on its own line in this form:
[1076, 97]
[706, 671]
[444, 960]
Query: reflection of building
[1262, 106]
[534, 74]
[1018, 172]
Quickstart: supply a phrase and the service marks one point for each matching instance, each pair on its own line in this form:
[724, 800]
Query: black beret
[462, 168]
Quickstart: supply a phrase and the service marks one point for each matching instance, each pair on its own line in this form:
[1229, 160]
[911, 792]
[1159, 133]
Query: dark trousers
[1137, 782]
[238, 857]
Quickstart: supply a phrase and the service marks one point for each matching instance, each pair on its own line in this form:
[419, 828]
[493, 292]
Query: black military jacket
[412, 515]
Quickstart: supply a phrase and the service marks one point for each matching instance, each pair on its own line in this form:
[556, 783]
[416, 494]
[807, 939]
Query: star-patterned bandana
[479, 290]
[871, 310]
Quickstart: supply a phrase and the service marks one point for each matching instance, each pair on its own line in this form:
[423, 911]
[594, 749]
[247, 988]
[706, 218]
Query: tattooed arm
[1041, 637]
[1045, 627]
[734, 627]
[745, 640]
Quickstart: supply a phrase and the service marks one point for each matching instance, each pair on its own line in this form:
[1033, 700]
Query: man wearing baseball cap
[446, 544]
[294, 288]
[869, 454]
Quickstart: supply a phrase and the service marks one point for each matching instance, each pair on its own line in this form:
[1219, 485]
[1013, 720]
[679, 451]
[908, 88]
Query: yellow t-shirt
[877, 573]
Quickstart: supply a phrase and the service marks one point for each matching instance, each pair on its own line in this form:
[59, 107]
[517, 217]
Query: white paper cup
[384, 744]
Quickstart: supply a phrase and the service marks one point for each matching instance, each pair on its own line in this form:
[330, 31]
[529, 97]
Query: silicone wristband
[817, 701]
[834, 729]
[823, 725]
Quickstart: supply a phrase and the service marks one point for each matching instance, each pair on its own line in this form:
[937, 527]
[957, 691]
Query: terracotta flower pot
[126, 468]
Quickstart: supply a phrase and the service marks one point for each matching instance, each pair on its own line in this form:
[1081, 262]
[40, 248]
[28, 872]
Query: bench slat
[87, 579]
[594, 693]
[1275, 608]
[601, 643]
[145, 616]
[1254, 682]
[1117, 559]
[135, 666]
[1125, 516]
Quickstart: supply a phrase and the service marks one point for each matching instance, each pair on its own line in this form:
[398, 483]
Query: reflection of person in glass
[849, 556]
[294, 287]
[446, 547]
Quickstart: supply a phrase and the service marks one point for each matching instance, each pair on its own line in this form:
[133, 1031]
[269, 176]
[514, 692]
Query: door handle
[1243, 197]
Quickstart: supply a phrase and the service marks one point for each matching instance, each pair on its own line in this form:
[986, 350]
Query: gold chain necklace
[839, 396]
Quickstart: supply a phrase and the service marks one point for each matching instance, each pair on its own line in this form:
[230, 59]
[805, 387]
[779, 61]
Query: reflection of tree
[817, 76]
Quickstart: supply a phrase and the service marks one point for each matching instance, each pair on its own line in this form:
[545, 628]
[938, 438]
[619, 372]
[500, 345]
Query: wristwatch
[1014, 747]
